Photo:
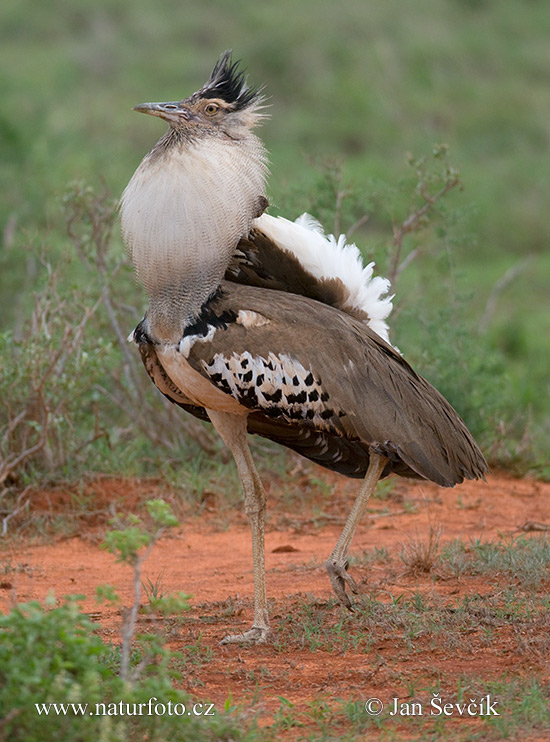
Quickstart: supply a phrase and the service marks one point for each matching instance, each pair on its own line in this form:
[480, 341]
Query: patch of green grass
[525, 560]
[521, 705]
[312, 625]
[376, 555]
[524, 705]
[413, 620]
[197, 654]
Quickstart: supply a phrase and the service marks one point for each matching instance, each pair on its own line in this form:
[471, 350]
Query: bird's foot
[339, 575]
[255, 635]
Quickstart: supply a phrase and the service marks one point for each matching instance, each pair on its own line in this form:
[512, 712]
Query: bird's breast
[195, 387]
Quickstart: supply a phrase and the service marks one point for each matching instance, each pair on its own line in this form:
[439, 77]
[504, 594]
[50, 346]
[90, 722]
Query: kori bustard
[267, 326]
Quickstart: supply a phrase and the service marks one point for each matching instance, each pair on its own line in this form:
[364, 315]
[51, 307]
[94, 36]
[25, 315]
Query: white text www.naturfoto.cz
[152, 708]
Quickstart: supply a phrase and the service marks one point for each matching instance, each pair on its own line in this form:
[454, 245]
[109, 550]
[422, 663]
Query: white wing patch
[187, 342]
[327, 257]
[248, 319]
[279, 385]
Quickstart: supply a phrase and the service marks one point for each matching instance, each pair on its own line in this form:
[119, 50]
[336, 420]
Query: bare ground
[319, 652]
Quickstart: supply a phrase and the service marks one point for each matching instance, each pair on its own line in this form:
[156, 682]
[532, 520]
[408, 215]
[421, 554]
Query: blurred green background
[359, 83]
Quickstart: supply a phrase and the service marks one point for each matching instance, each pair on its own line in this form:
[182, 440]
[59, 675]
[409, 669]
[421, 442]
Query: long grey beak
[174, 110]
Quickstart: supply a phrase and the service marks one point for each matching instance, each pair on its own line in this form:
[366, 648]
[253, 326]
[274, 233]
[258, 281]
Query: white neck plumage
[183, 213]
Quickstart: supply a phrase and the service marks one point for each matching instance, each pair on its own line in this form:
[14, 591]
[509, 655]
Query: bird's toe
[339, 576]
[255, 635]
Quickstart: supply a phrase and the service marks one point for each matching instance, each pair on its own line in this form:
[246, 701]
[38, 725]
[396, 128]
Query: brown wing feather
[375, 398]
[260, 262]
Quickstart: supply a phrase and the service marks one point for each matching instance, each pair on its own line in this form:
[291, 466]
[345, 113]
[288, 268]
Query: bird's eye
[211, 109]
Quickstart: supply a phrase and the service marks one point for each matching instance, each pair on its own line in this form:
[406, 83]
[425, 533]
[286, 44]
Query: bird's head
[225, 105]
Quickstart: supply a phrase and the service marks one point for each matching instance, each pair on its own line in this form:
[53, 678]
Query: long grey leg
[337, 564]
[232, 429]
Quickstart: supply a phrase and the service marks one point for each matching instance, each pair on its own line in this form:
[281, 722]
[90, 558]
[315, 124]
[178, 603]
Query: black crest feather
[228, 82]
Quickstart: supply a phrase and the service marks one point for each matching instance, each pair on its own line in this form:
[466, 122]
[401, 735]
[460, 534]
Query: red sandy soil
[209, 556]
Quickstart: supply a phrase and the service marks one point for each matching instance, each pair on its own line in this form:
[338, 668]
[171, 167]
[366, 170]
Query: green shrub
[50, 655]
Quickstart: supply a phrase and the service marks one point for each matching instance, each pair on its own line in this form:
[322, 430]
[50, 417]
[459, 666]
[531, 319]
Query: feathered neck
[183, 213]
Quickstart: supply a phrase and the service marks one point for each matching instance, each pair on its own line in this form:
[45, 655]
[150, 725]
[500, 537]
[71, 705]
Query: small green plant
[153, 590]
[132, 542]
[45, 649]
[285, 716]
[383, 490]
[198, 653]
[453, 556]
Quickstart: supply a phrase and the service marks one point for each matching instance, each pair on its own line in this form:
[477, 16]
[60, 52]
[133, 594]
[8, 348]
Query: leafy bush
[47, 405]
[73, 394]
[51, 655]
